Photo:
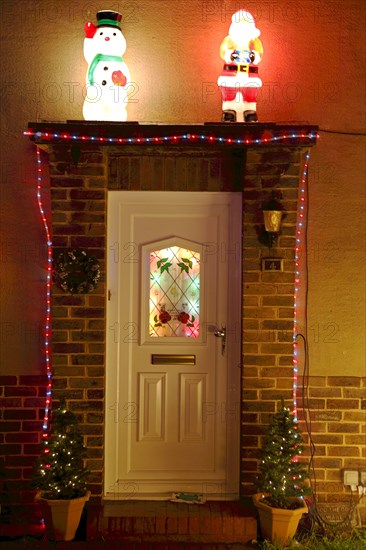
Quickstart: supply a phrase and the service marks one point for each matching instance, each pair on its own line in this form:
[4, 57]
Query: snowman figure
[108, 77]
[241, 51]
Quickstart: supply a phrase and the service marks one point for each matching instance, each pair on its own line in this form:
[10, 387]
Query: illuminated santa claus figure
[239, 82]
[108, 77]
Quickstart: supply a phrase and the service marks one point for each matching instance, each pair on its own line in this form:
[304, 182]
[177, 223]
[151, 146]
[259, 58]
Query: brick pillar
[268, 300]
[78, 197]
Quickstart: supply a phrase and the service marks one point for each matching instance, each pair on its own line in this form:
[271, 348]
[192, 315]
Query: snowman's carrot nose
[107, 38]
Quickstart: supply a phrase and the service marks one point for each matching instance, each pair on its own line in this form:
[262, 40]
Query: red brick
[11, 449]
[7, 402]
[183, 521]
[343, 403]
[325, 392]
[22, 461]
[86, 405]
[193, 520]
[68, 348]
[94, 442]
[86, 382]
[343, 427]
[34, 402]
[262, 360]
[95, 418]
[277, 348]
[327, 439]
[205, 519]
[62, 182]
[30, 426]
[344, 451]
[283, 372]
[13, 473]
[249, 466]
[88, 242]
[344, 381]
[10, 426]
[22, 437]
[67, 324]
[68, 371]
[63, 229]
[69, 300]
[87, 359]
[227, 524]
[8, 380]
[68, 394]
[355, 440]
[87, 312]
[355, 416]
[33, 380]
[95, 394]
[31, 449]
[285, 360]
[353, 393]
[21, 414]
[160, 525]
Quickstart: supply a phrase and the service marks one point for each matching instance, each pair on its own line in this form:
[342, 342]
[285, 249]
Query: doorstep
[161, 521]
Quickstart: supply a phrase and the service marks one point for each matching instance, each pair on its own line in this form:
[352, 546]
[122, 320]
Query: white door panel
[171, 388]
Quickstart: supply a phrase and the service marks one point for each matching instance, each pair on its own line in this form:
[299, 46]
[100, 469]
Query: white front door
[173, 344]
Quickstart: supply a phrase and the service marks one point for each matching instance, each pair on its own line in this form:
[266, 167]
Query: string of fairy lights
[71, 137]
[175, 138]
[300, 228]
[47, 327]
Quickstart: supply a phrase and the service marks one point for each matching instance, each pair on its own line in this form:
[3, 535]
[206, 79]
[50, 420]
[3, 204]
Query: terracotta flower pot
[62, 517]
[277, 524]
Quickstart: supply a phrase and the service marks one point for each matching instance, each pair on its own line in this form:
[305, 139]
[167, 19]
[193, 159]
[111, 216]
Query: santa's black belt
[240, 68]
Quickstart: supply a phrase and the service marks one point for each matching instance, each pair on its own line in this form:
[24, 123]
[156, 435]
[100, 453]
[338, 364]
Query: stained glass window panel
[174, 293]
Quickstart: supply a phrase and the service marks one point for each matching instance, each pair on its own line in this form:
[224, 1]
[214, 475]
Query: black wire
[341, 132]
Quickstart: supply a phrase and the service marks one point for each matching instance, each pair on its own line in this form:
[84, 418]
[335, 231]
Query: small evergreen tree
[59, 472]
[282, 475]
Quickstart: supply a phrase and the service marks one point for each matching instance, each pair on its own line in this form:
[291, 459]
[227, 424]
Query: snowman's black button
[106, 68]
[104, 82]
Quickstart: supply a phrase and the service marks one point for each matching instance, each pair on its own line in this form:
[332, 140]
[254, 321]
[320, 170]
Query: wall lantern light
[272, 215]
[107, 78]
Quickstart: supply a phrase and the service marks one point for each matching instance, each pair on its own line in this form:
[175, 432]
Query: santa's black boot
[228, 116]
[250, 116]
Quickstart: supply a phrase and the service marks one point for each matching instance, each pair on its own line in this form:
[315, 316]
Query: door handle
[221, 333]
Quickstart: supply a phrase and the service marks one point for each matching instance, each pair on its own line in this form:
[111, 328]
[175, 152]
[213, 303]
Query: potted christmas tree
[283, 479]
[60, 475]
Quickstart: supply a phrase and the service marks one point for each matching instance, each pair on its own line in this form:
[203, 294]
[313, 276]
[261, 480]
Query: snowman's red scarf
[100, 57]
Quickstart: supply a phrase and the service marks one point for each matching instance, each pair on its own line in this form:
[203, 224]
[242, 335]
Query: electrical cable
[341, 133]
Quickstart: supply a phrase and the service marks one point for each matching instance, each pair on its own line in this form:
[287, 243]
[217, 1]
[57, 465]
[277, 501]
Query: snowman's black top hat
[108, 18]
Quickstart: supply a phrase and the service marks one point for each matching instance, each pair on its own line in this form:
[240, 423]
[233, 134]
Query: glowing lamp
[107, 77]
[241, 50]
[272, 216]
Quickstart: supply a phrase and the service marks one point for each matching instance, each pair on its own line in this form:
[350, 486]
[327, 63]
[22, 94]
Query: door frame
[114, 414]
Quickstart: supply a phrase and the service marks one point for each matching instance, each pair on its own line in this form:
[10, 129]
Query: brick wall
[22, 409]
[78, 193]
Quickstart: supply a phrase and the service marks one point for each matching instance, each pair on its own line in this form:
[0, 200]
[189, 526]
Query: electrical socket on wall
[350, 477]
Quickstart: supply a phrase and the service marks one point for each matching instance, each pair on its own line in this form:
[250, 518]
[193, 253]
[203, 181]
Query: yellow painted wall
[313, 70]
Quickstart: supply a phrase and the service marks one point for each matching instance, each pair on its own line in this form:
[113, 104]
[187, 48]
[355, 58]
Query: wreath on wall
[76, 272]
